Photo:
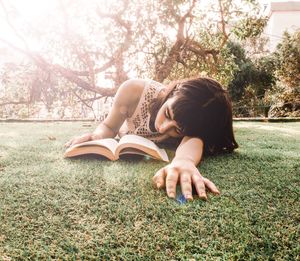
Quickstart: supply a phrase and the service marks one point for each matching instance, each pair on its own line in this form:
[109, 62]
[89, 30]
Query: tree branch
[162, 70]
[66, 73]
[14, 102]
[223, 25]
[118, 55]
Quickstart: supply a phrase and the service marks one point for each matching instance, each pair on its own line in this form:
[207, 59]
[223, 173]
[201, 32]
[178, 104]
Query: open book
[112, 149]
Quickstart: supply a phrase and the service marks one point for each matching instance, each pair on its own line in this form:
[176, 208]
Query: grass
[53, 208]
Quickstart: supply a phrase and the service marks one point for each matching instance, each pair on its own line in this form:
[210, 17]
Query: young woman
[194, 113]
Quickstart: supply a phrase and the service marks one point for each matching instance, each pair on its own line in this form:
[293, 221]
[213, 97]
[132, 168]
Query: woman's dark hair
[202, 109]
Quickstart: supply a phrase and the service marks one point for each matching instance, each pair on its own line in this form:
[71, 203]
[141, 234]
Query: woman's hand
[80, 139]
[187, 174]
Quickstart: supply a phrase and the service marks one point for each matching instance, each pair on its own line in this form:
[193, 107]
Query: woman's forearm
[190, 149]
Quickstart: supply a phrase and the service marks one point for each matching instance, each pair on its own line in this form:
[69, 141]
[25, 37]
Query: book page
[110, 144]
[141, 143]
[85, 150]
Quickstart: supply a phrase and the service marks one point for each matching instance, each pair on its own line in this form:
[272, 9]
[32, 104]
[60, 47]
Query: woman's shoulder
[139, 84]
[134, 88]
[130, 92]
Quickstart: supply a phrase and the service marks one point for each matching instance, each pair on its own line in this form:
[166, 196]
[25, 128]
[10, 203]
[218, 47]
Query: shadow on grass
[95, 157]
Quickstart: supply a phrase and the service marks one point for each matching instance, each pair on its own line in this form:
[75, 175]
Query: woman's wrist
[103, 131]
[183, 160]
[96, 136]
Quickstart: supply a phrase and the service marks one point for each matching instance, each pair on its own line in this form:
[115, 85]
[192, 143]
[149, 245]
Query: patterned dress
[139, 122]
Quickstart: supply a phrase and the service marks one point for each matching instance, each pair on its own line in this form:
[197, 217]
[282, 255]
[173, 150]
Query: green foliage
[136, 37]
[16, 80]
[226, 67]
[287, 55]
[251, 80]
[250, 27]
[29, 88]
[243, 73]
[285, 102]
[286, 96]
[258, 74]
[265, 74]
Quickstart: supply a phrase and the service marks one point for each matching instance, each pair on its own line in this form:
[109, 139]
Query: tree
[164, 40]
[286, 99]
[251, 80]
[287, 55]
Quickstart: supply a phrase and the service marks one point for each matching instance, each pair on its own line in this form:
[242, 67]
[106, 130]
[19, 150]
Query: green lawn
[53, 208]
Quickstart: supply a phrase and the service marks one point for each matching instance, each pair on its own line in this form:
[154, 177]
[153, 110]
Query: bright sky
[32, 11]
[29, 10]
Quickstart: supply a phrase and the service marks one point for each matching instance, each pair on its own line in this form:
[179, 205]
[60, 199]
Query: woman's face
[165, 123]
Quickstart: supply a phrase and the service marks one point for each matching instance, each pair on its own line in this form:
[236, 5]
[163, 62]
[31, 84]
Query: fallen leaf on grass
[2, 238]
[6, 258]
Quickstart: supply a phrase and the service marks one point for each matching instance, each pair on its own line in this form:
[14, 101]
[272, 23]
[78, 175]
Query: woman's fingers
[71, 142]
[170, 175]
[67, 144]
[159, 178]
[211, 186]
[83, 138]
[80, 139]
[199, 184]
[171, 181]
[186, 185]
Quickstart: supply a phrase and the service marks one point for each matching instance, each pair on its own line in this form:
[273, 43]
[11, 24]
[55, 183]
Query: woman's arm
[190, 149]
[183, 169]
[124, 104]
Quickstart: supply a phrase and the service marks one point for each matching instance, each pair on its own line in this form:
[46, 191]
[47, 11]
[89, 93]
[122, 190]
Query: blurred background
[65, 59]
